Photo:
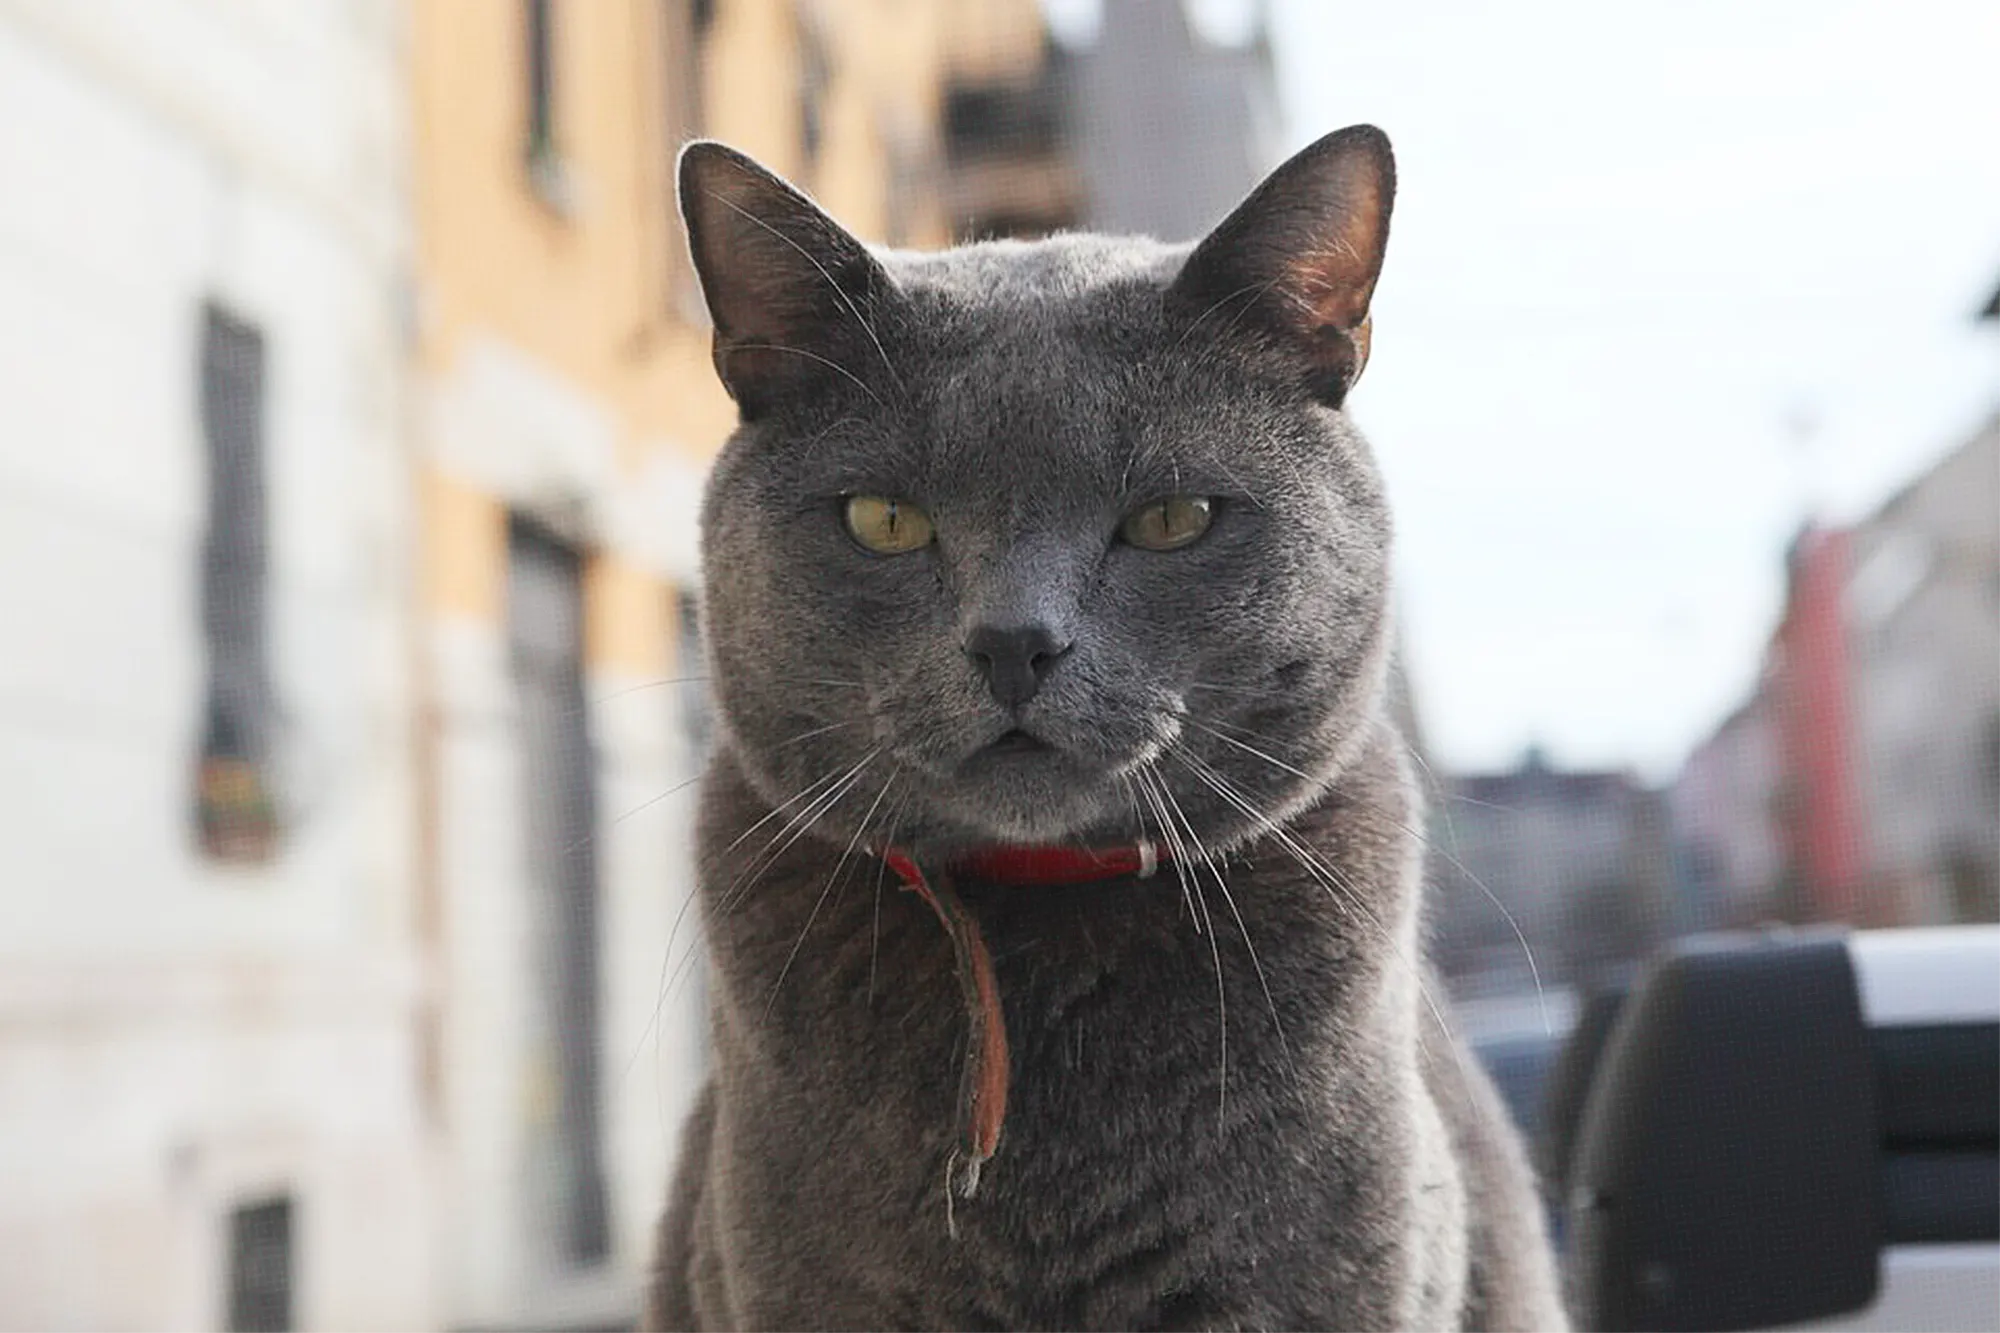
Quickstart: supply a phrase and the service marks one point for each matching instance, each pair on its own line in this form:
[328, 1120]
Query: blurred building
[1767, 822]
[1577, 859]
[1172, 127]
[563, 415]
[1861, 781]
[1726, 839]
[1817, 804]
[1923, 610]
[1143, 125]
[1009, 136]
[209, 1111]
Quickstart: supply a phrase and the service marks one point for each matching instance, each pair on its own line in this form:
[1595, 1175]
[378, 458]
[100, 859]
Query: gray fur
[1234, 1103]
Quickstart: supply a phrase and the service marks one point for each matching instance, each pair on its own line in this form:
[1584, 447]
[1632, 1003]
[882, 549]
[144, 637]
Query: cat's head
[1050, 541]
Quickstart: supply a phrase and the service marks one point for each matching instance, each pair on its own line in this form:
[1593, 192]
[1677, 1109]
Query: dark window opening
[1010, 150]
[547, 176]
[541, 79]
[260, 1266]
[235, 808]
[564, 1133]
[815, 79]
[1008, 120]
[683, 32]
[685, 25]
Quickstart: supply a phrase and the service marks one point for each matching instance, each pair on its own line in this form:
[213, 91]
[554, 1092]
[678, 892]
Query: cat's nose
[1015, 659]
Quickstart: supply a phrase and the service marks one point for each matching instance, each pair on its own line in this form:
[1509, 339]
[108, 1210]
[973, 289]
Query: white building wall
[176, 1035]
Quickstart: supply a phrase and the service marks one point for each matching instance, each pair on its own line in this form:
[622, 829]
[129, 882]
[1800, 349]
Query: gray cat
[1050, 581]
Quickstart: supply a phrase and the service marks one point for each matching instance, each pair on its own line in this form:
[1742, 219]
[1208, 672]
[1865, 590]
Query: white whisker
[832, 877]
[1328, 878]
[1520, 937]
[1222, 882]
[1215, 953]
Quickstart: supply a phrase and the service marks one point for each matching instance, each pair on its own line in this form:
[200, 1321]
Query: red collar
[1041, 867]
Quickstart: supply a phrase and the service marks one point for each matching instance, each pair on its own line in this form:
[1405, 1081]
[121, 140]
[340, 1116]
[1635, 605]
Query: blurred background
[354, 407]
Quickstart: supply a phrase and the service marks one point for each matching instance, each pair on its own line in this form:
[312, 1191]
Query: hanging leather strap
[982, 1084]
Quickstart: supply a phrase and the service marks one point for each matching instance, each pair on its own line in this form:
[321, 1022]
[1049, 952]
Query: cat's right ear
[794, 298]
[1297, 261]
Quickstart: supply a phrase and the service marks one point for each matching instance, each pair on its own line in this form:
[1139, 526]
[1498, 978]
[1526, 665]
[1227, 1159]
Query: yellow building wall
[595, 292]
[585, 294]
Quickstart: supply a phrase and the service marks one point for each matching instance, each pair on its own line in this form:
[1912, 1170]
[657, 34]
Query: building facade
[1816, 805]
[1861, 780]
[1727, 852]
[1172, 128]
[1140, 125]
[209, 1110]
[1923, 610]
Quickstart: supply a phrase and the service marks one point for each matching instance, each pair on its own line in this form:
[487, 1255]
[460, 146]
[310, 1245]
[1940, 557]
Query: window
[684, 26]
[236, 813]
[684, 32]
[547, 176]
[541, 80]
[260, 1266]
[815, 81]
[564, 1135]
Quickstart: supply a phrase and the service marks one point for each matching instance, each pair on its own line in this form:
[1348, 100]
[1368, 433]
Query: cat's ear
[1299, 258]
[794, 298]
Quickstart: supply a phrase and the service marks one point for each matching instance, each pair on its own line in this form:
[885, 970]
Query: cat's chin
[1022, 808]
[1023, 790]
[996, 826]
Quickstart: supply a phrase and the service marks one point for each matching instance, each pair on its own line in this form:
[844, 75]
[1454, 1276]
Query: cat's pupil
[887, 526]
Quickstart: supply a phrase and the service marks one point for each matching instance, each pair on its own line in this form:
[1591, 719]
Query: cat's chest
[1167, 1121]
[1195, 1116]
[1129, 1020]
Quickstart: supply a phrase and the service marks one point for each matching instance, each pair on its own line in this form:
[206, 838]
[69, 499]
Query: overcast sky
[1662, 279]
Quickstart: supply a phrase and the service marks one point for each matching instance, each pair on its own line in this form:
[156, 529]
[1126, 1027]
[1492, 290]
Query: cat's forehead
[1010, 275]
[1047, 373]
[1032, 349]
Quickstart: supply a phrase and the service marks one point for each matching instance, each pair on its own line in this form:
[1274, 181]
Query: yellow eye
[886, 526]
[1169, 524]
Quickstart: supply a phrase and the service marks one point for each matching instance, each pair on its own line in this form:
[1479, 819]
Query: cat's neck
[822, 946]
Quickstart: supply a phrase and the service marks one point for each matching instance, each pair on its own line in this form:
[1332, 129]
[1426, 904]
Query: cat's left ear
[1299, 258]
[795, 299]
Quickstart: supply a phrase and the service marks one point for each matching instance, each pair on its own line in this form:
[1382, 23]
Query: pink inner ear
[1332, 280]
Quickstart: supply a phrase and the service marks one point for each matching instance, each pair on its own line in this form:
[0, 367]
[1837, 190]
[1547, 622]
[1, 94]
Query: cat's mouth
[1014, 743]
[1018, 784]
